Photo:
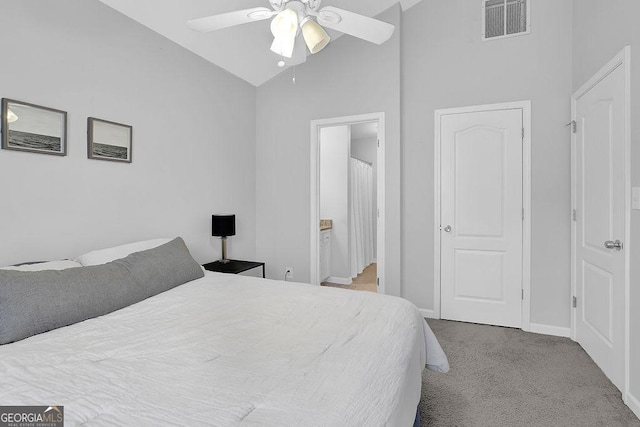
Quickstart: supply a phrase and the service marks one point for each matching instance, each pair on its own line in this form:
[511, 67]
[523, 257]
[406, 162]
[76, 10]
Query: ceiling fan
[302, 18]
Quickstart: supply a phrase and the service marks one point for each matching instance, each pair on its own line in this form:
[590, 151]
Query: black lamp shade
[223, 225]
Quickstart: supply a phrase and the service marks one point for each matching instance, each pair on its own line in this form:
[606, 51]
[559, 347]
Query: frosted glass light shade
[284, 28]
[315, 36]
[283, 46]
[11, 116]
[285, 24]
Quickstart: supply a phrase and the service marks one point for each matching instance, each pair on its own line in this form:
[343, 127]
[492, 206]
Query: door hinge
[523, 133]
[378, 212]
[574, 126]
[574, 302]
[574, 215]
[377, 281]
[378, 143]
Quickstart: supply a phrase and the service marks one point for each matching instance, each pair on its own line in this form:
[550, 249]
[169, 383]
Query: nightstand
[234, 266]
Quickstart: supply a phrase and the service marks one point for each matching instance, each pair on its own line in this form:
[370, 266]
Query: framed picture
[109, 141]
[28, 127]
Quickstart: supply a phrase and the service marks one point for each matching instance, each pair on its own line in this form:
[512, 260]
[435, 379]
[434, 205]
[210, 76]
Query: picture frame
[33, 128]
[108, 140]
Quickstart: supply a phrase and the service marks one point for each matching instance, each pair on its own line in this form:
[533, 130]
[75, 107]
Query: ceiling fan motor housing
[308, 6]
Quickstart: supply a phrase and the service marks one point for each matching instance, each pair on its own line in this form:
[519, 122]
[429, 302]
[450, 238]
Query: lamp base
[224, 259]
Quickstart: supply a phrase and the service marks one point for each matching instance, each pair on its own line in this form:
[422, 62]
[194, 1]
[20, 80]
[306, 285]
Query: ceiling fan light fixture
[284, 28]
[285, 24]
[314, 35]
[11, 116]
[283, 46]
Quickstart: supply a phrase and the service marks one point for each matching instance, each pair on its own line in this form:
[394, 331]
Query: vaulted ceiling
[243, 50]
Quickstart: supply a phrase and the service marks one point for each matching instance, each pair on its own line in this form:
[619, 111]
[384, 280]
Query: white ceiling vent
[504, 18]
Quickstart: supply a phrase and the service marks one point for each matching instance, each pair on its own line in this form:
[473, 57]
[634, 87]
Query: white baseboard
[538, 328]
[633, 404]
[429, 314]
[339, 280]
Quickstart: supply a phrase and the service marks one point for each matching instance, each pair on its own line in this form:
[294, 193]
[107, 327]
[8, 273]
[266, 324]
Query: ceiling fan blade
[225, 20]
[356, 25]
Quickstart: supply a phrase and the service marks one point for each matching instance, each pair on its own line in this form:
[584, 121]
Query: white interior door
[600, 223]
[481, 216]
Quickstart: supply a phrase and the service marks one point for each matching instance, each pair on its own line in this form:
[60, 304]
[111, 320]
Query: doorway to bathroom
[347, 200]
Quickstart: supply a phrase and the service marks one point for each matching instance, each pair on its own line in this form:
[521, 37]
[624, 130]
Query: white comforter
[231, 350]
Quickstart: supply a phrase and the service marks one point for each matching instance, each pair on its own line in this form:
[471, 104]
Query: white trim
[525, 106]
[437, 264]
[557, 331]
[505, 36]
[314, 193]
[573, 223]
[526, 224]
[633, 403]
[427, 314]
[339, 280]
[623, 58]
[627, 232]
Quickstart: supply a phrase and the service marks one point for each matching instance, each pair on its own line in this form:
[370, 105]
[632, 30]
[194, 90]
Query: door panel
[480, 189]
[600, 165]
[596, 158]
[479, 275]
[481, 202]
[598, 309]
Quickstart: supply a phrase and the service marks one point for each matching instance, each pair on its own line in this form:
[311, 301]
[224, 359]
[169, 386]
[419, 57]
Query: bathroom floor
[366, 281]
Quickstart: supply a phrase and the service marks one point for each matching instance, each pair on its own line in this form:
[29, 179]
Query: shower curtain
[362, 219]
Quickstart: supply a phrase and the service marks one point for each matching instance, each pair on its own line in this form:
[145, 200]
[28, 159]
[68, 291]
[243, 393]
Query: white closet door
[481, 215]
[599, 270]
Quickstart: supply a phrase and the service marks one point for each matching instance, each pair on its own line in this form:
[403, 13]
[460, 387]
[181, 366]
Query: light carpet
[507, 377]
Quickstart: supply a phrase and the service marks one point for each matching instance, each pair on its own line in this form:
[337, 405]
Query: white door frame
[316, 125]
[525, 106]
[623, 58]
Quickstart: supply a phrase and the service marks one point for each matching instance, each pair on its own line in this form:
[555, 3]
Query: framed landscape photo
[29, 127]
[109, 140]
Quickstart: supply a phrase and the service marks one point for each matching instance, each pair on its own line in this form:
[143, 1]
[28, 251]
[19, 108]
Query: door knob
[617, 245]
[447, 229]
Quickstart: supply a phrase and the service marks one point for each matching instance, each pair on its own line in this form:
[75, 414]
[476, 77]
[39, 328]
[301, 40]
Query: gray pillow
[36, 302]
[164, 267]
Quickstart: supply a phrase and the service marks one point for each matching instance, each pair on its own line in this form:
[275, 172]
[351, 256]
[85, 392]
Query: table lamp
[223, 226]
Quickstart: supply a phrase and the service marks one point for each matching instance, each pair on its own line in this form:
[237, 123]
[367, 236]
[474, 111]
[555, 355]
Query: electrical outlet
[288, 273]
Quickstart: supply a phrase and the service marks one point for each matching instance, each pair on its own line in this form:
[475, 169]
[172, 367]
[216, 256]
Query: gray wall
[193, 137]
[601, 30]
[445, 64]
[330, 84]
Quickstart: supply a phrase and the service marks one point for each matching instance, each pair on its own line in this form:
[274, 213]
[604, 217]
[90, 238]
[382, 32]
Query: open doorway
[347, 193]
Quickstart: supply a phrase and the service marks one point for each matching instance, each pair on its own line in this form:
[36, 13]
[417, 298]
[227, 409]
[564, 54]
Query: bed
[230, 350]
